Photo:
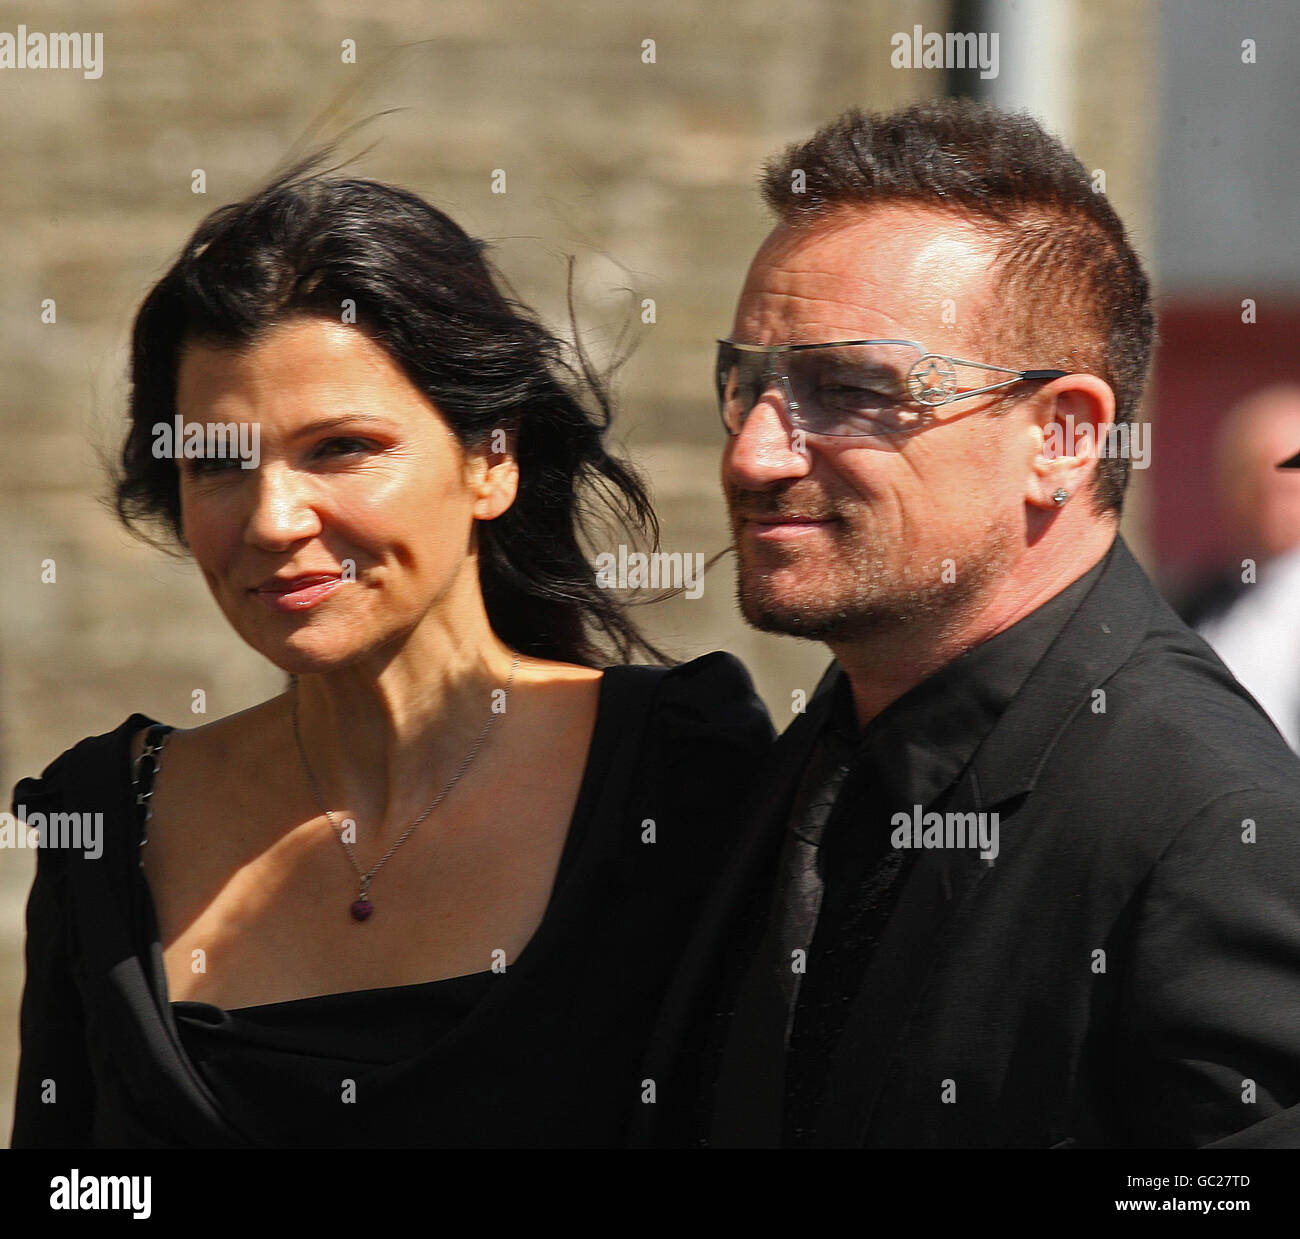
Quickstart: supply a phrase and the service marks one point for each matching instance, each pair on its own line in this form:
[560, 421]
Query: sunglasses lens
[845, 390]
[741, 380]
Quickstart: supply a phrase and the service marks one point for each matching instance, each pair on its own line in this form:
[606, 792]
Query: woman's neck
[384, 735]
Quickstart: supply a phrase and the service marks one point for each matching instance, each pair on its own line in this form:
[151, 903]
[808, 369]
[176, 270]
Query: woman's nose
[283, 510]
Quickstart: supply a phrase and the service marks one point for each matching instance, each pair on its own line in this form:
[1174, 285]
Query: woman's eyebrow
[340, 419]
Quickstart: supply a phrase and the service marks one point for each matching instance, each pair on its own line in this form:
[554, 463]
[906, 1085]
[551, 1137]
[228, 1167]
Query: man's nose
[766, 450]
[283, 512]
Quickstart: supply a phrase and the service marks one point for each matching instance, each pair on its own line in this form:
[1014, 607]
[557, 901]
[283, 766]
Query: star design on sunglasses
[931, 383]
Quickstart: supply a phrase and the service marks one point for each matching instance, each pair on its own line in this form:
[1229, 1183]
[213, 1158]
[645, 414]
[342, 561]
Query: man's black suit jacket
[1126, 973]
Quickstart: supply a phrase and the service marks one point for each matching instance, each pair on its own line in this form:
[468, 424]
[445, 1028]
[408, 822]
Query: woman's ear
[494, 472]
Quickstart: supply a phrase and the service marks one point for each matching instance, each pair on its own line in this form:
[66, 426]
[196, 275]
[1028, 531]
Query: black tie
[750, 1099]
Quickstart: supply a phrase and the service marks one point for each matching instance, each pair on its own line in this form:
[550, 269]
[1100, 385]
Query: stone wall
[644, 172]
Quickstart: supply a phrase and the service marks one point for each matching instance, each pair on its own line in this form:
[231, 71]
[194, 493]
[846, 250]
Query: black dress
[546, 1053]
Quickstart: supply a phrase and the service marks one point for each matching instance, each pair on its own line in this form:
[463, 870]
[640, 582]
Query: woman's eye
[343, 445]
[209, 465]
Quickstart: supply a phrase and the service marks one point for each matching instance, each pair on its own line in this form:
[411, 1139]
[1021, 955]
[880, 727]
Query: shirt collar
[921, 743]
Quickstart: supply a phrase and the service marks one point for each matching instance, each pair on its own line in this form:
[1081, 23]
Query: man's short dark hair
[1072, 288]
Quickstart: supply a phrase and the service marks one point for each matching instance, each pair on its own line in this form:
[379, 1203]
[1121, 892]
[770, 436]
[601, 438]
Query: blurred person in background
[1250, 613]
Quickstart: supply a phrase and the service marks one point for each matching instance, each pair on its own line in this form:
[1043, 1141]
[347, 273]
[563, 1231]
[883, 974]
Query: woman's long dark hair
[422, 289]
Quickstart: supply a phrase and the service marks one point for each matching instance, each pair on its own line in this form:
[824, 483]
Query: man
[1027, 870]
[1250, 613]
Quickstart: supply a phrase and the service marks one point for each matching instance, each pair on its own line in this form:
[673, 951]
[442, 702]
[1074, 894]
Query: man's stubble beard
[860, 595]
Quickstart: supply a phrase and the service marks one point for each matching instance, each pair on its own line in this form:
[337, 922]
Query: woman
[433, 893]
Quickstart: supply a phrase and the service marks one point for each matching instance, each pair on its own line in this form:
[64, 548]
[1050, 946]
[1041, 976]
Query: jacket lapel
[1102, 634]
[763, 816]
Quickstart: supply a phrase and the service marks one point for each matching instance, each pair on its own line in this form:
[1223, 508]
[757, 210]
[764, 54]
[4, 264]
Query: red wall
[1206, 361]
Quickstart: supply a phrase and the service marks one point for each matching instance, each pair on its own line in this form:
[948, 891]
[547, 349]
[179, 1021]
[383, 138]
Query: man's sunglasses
[849, 387]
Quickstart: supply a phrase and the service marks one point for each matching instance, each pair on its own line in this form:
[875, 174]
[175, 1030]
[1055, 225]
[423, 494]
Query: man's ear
[1072, 420]
[493, 472]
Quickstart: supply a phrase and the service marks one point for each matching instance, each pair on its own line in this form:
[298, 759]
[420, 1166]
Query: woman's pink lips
[298, 594]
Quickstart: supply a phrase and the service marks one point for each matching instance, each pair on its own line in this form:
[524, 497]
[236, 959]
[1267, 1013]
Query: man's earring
[1061, 495]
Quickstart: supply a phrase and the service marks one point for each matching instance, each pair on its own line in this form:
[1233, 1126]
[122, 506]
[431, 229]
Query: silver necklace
[361, 907]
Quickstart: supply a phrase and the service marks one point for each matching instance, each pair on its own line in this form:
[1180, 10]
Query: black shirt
[547, 1053]
[839, 876]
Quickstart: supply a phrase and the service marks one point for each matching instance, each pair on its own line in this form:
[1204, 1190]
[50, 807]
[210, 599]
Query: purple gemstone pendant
[362, 907]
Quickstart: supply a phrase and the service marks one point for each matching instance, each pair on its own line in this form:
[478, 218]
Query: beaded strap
[147, 766]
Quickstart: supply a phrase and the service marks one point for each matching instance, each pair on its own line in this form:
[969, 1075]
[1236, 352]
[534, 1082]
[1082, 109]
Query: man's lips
[785, 525]
[788, 519]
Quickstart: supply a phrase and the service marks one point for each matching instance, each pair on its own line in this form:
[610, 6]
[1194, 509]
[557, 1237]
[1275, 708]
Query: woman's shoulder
[79, 807]
[709, 677]
[709, 696]
[90, 760]
[681, 747]
[93, 767]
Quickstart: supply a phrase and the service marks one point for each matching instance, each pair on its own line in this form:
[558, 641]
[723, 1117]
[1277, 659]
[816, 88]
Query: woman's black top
[545, 1053]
